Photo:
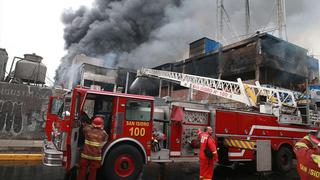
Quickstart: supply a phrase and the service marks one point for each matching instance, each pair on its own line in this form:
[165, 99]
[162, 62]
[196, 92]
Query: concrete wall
[23, 111]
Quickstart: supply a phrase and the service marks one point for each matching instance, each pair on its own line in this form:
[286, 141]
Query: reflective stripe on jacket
[301, 145]
[97, 158]
[316, 158]
[92, 143]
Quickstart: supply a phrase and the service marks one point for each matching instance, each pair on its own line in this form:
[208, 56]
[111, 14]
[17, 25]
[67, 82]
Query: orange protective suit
[206, 164]
[91, 154]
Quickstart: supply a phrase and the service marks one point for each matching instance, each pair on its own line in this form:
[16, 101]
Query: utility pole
[281, 18]
[219, 20]
[247, 8]
[219, 30]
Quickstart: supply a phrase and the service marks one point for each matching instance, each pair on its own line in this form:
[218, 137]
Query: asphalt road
[183, 171]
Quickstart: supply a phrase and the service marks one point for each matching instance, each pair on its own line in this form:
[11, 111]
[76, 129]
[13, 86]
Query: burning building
[91, 72]
[263, 57]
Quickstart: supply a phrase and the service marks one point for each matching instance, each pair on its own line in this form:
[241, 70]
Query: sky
[136, 32]
[35, 26]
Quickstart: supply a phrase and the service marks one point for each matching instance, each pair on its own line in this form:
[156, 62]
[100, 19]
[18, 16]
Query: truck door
[75, 127]
[134, 119]
[131, 124]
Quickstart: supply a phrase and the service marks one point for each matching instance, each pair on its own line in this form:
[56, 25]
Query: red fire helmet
[97, 122]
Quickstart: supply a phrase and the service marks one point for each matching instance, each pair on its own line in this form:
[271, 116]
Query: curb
[14, 143]
[21, 157]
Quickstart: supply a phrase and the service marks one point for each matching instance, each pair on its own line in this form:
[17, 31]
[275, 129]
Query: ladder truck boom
[236, 91]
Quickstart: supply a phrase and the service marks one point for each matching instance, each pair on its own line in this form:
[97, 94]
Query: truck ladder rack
[236, 91]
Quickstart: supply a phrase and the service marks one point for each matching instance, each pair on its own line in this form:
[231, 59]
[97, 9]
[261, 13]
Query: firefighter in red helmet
[208, 154]
[95, 137]
[307, 151]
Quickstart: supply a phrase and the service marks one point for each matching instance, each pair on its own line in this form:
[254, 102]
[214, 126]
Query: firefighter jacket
[94, 139]
[308, 156]
[207, 140]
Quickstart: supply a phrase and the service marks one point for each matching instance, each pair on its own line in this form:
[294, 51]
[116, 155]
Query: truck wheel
[223, 156]
[123, 162]
[284, 160]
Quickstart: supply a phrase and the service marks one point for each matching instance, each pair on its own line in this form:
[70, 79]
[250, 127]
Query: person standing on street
[307, 151]
[208, 154]
[95, 137]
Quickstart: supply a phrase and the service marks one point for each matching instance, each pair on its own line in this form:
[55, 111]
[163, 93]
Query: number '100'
[135, 131]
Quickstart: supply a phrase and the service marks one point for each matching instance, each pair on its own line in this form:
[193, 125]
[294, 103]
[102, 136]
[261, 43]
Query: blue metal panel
[203, 46]
[211, 45]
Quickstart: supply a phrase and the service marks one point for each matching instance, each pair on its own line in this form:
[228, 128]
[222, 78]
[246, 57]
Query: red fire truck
[134, 121]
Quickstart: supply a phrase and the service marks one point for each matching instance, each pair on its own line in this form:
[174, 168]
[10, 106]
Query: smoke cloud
[136, 33]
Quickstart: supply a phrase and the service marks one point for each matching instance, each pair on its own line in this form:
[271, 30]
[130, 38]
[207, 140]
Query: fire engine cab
[136, 130]
[145, 129]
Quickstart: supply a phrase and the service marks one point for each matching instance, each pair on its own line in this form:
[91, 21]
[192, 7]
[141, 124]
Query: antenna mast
[281, 19]
[219, 21]
[247, 7]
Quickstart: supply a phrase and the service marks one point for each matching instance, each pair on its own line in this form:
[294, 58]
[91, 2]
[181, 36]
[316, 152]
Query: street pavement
[12, 170]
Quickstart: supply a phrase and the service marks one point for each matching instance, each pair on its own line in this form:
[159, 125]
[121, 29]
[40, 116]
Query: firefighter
[307, 151]
[209, 156]
[95, 137]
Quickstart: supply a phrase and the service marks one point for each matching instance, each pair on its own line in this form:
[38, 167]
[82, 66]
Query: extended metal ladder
[237, 91]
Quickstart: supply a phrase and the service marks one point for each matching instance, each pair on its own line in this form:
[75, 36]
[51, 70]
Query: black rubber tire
[109, 162]
[283, 160]
[223, 156]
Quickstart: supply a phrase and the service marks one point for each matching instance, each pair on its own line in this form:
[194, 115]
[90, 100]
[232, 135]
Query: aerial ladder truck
[273, 114]
[133, 122]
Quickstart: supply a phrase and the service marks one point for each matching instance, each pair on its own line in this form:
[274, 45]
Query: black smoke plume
[135, 33]
[110, 28]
